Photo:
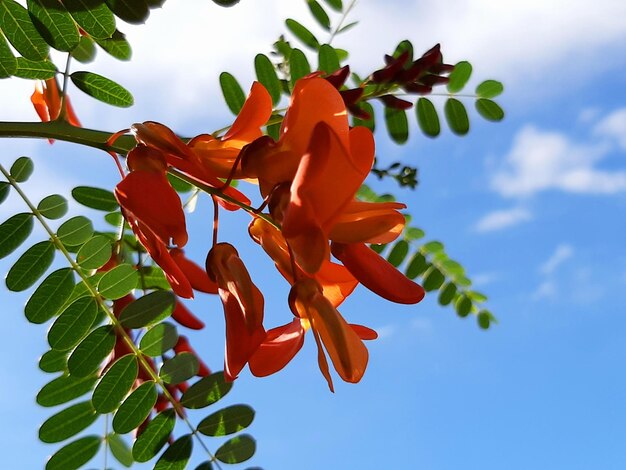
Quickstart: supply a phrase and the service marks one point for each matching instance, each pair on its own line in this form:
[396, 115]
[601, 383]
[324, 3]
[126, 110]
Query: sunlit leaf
[131, 11]
[148, 310]
[75, 231]
[432, 247]
[206, 391]
[120, 449]
[227, 421]
[489, 89]
[135, 409]
[336, 5]
[232, 91]
[115, 384]
[397, 125]
[102, 89]
[179, 368]
[53, 361]
[302, 33]
[67, 423]
[64, 388]
[459, 77]
[93, 16]
[158, 339]
[236, 450]
[85, 52]
[18, 28]
[490, 110]
[176, 455]
[427, 117]
[75, 454]
[298, 66]
[118, 282]
[22, 169]
[73, 324]
[89, 354]
[95, 198]
[319, 14]
[8, 62]
[328, 59]
[54, 24]
[53, 206]
[117, 46]
[95, 252]
[155, 436]
[456, 116]
[30, 266]
[266, 74]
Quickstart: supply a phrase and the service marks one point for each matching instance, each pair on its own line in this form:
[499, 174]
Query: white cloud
[562, 253]
[483, 279]
[546, 290]
[498, 220]
[614, 127]
[542, 160]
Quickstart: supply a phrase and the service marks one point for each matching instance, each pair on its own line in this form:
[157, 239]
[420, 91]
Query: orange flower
[47, 102]
[243, 307]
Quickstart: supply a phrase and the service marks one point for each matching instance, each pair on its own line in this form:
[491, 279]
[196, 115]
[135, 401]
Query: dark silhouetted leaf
[463, 306]
[398, 253]
[131, 11]
[54, 24]
[416, 266]
[433, 279]
[53, 361]
[336, 5]
[176, 455]
[102, 89]
[30, 266]
[447, 293]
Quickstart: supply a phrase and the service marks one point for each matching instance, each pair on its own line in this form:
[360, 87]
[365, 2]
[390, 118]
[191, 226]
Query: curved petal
[369, 222]
[278, 349]
[183, 316]
[197, 276]
[255, 112]
[377, 274]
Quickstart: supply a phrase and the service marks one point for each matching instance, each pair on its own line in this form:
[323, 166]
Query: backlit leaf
[53, 206]
[50, 296]
[73, 324]
[64, 388]
[95, 252]
[54, 24]
[19, 30]
[30, 266]
[490, 110]
[427, 117]
[298, 66]
[328, 60]
[21, 169]
[369, 123]
[456, 116]
[266, 74]
[397, 125]
[179, 368]
[115, 384]
[67, 423]
[117, 46]
[232, 91]
[53, 361]
[75, 231]
[120, 449]
[85, 51]
[147, 310]
[8, 62]
[398, 253]
[459, 76]
[158, 339]
[95, 198]
[336, 5]
[489, 89]
[135, 409]
[176, 455]
[118, 282]
[227, 421]
[236, 450]
[206, 391]
[93, 16]
[433, 279]
[34, 70]
[302, 33]
[89, 354]
[102, 89]
[75, 454]
[155, 436]
[319, 14]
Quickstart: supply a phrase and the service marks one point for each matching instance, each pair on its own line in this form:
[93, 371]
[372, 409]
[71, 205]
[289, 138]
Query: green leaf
[117, 46]
[21, 169]
[456, 115]
[227, 421]
[233, 94]
[135, 409]
[95, 252]
[347, 27]
[489, 89]
[181, 367]
[53, 361]
[433, 279]
[397, 125]
[158, 339]
[416, 266]
[413, 233]
[176, 455]
[115, 384]
[34, 70]
[50, 296]
[319, 14]
[75, 231]
[73, 324]
[118, 282]
[404, 45]
[336, 5]
[13, 232]
[30, 266]
[75, 454]
[8, 62]
[120, 449]
[63, 389]
[102, 89]
[91, 351]
[490, 110]
[179, 185]
[266, 74]
[328, 60]
[93, 16]
[54, 24]
[485, 318]
[432, 247]
[447, 293]
[5, 189]
[206, 391]
[148, 310]
[236, 450]
[302, 33]
[131, 11]
[53, 206]
[298, 66]
[152, 277]
[427, 117]
[18, 28]
[463, 306]
[369, 123]
[67, 423]
[459, 76]
[85, 52]
[398, 253]
[95, 198]
[155, 436]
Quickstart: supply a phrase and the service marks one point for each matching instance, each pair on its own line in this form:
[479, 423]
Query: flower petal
[280, 347]
[369, 222]
[197, 276]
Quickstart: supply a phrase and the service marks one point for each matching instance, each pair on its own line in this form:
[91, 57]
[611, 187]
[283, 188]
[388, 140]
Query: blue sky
[532, 207]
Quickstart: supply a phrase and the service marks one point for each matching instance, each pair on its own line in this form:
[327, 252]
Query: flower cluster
[308, 178]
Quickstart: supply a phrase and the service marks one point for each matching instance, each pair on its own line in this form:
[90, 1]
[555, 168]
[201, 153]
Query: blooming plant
[298, 171]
